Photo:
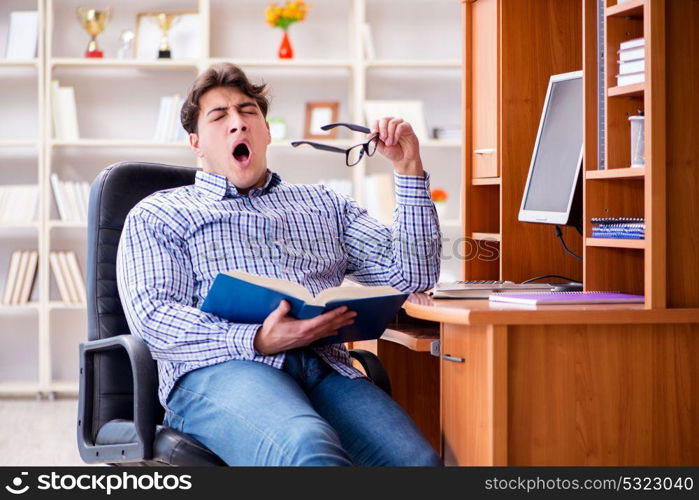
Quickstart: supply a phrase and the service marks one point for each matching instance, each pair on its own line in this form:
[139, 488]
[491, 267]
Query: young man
[256, 394]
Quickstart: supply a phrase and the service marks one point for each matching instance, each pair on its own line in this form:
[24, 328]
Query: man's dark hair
[220, 75]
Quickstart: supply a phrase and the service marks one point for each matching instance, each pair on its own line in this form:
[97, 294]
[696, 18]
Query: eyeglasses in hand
[354, 154]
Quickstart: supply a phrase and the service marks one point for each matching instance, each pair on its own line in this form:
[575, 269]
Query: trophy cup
[93, 21]
[165, 21]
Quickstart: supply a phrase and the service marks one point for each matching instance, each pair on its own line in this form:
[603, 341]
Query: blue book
[242, 297]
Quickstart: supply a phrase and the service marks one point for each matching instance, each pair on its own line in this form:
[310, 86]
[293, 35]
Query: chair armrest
[373, 367]
[145, 399]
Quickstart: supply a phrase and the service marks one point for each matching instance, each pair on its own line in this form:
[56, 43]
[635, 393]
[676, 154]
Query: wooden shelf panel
[19, 387]
[62, 306]
[485, 181]
[419, 341]
[408, 63]
[53, 224]
[65, 386]
[83, 62]
[280, 63]
[19, 63]
[633, 8]
[29, 308]
[616, 173]
[633, 90]
[18, 143]
[616, 243]
[486, 236]
[115, 143]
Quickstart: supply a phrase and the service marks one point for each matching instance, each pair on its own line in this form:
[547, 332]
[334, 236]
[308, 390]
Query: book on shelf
[368, 40]
[69, 280]
[630, 79]
[60, 279]
[64, 113]
[71, 199]
[21, 276]
[77, 276]
[169, 127]
[633, 66]
[247, 298]
[29, 278]
[633, 228]
[18, 204]
[23, 35]
[632, 44]
[632, 54]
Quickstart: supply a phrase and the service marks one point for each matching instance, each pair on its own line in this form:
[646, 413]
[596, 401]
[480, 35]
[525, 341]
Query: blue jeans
[249, 413]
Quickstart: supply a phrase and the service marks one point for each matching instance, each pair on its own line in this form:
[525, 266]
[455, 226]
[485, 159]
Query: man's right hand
[280, 332]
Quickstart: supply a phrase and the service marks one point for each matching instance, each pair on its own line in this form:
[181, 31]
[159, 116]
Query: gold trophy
[94, 22]
[165, 21]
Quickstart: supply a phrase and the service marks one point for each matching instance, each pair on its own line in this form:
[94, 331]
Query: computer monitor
[554, 186]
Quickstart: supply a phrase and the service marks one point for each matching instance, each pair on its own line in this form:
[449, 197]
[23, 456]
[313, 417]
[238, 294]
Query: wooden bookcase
[664, 265]
[510, 50]
[502, 107]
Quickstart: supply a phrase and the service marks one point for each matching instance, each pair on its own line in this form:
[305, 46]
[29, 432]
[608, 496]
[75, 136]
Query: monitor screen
[555, 165]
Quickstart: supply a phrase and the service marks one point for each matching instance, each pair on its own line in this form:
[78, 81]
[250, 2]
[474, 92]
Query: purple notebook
[560, 298]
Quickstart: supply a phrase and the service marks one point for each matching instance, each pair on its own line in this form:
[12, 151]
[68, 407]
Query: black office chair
[119, 414]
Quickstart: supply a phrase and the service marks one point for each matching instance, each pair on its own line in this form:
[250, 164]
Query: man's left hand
[398, 143]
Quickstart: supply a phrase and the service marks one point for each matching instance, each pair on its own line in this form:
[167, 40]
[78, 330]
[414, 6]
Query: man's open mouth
[241, 152]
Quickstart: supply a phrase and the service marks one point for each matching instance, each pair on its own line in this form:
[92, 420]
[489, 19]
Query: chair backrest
[115, 191]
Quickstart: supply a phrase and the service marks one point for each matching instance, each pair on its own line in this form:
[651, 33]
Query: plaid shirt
[176, 241]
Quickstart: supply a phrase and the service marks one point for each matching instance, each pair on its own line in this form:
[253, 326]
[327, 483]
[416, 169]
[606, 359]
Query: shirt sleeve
[406, 256]
[156, 285]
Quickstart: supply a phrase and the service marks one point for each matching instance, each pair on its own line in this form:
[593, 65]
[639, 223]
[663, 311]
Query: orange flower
[439, 195]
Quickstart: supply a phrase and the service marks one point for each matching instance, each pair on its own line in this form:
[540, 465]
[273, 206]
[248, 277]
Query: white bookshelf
[117, 102]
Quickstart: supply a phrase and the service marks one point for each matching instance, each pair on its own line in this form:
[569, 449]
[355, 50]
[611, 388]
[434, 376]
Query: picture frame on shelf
[184, 35]
[320, 113]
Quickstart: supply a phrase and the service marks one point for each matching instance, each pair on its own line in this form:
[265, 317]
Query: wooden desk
[572, 385]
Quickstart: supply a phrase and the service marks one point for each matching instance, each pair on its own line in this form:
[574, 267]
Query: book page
[276, 284]
[353, 292]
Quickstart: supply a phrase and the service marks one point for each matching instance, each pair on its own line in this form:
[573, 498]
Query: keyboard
[482, 289]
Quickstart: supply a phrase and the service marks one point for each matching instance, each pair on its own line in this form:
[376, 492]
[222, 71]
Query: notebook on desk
[563, 298]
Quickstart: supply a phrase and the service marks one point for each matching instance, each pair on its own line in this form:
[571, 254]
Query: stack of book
[628, 228]
[20, 277]
[632, 62]
[69, 280]
[64, 112]
[18, 204]
[169, 127]
[71, 199]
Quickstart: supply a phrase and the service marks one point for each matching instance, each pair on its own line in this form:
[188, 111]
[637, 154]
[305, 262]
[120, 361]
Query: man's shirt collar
[218, 187]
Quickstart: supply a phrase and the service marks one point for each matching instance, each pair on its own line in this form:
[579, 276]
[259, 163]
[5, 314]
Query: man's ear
[194, 144]
[269, 134]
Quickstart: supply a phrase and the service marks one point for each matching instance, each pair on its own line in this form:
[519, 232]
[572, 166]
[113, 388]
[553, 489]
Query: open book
[247, 298]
